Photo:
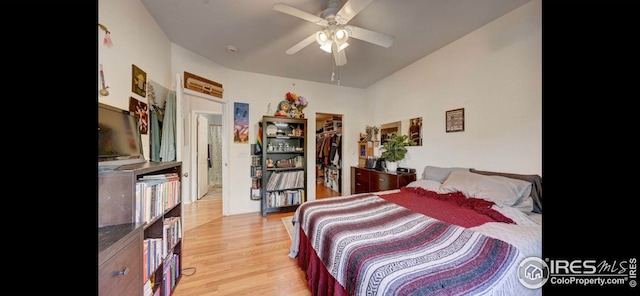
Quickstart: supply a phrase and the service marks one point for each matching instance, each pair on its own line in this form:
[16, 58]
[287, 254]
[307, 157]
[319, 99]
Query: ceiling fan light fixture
[342, 46]
[341, 35]
[326, 47]
[321, 37]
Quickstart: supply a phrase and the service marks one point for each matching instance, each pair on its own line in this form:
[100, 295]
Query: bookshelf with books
[144, 202]
[256, 176]
[284, 167]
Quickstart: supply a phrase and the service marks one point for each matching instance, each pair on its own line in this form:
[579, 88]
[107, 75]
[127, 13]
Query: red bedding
[454, 208]
[350, 234]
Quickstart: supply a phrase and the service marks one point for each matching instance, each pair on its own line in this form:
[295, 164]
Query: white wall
[258, 91]
[495, 74]
[137, 40]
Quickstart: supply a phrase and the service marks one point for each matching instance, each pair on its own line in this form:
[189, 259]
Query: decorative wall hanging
[139, 81]
[103, 91]
[157, 97]
[455, 120]
[107, 36]
[415, 131]
[140, 110]
[203, 85]
[241, 123]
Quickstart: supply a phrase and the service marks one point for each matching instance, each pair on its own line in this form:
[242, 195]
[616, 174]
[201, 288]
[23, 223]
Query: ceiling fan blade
[339, 56]
[300, 14]
[302, 44]
[350, 9]
[370, 36]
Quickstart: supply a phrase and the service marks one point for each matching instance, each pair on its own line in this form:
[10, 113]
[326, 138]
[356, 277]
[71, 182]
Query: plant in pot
[394, 150]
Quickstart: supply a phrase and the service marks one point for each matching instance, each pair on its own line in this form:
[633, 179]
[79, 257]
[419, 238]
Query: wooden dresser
[370, 180]
[119, 259]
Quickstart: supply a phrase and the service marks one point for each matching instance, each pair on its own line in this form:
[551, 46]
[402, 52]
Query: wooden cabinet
[119, 259]
[284, 164]
[369, 180]
[365, 150]
[126, 224]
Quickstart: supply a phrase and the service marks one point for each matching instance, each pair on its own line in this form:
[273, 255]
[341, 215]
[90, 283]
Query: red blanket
[454, 208]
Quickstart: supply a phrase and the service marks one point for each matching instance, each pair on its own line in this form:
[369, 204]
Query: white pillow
[500, 190]
[525, 206]
[439, 174]
[425, 184]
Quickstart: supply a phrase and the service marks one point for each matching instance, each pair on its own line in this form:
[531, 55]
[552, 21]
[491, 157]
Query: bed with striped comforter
[372, 244]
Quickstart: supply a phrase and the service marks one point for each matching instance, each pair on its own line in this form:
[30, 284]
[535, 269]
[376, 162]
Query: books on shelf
[285, 198]
[286, 180]
[155, 194]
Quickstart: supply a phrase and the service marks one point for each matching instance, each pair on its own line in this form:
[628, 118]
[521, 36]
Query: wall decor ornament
[293, 106]
[138, 81]
[241, 123]
[203, 85]
[455, 120]
[139, 109]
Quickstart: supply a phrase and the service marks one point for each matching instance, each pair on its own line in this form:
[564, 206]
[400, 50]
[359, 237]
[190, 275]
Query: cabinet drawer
[122, 271]
[382, 181]
[361, 176]
[361, 187]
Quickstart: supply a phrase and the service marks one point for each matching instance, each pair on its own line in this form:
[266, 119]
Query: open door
[203, 155]
[329, 155]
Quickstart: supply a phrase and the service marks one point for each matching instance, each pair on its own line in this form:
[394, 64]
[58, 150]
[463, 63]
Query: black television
[119, 138]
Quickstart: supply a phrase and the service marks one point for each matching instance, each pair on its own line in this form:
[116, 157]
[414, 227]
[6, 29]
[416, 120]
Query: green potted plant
[394, 150]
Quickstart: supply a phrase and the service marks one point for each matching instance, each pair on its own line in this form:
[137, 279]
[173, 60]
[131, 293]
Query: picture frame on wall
[138, 81]
[454, 120]
[140, 109]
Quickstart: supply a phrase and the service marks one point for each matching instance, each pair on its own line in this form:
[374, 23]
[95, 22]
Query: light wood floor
[242, 254]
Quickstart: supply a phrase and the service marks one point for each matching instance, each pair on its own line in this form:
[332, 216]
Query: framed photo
[138, 81]
[455, 120]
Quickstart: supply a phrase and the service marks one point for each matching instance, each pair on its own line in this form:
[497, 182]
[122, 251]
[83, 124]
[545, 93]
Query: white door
[203, 155]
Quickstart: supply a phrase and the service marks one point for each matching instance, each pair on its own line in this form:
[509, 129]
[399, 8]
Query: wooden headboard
[536, 185]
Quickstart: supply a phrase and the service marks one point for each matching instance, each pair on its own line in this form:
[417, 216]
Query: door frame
[191, 184]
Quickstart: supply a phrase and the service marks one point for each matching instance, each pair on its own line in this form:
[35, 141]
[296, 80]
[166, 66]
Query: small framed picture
[138, 81]
[455, 120]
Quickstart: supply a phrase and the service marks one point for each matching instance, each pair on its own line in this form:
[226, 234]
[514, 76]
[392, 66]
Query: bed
[454, 231]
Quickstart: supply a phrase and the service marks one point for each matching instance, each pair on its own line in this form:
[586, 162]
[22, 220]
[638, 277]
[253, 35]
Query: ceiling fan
[333, 36]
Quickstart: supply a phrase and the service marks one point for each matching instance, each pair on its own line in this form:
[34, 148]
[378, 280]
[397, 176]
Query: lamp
[322, 37]
[326, 38]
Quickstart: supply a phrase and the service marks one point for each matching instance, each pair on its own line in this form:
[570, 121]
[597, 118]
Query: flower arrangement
[297, 103]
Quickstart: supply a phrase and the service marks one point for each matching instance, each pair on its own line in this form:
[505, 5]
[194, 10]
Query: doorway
[328, 155]
[209, 156]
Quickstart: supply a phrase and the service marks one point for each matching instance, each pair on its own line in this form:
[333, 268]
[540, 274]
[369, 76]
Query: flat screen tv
[119, 139]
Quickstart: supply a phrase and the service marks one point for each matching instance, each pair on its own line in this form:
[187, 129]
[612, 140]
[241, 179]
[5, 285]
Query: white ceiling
[261, 34]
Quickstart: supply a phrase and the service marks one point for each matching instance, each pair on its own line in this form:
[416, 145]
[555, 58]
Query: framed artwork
[241, 123]
[415, 131]
[388, 128]
[140, 109]
[455, 120]
[138, 81]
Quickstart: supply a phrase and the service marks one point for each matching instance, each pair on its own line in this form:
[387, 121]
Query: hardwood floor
[238, 255]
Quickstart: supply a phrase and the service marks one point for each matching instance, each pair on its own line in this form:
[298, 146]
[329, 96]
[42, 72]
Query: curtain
[168, 142]
[215, 144]
[155, 135]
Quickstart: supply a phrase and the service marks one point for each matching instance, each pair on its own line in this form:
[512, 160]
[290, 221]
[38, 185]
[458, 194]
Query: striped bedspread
[372, 246]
